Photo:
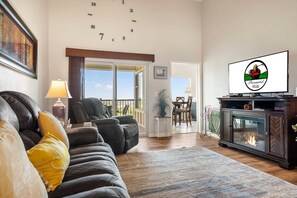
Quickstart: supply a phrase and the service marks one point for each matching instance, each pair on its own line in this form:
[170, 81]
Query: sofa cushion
[33, 136]
[28, 143]
[90, 152]
[48, 123]
[103, 192]
[96, 186]
[17, 179]
[51, 158]
[94, 166]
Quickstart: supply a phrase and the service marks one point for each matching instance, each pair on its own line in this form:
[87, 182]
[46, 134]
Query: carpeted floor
[196, 172]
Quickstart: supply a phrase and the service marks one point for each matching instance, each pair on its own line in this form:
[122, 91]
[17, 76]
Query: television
[264, 74]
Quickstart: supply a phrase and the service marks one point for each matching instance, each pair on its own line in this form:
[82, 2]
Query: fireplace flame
[250, 139]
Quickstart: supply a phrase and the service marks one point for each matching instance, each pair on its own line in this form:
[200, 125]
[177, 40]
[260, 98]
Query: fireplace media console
[263, 129]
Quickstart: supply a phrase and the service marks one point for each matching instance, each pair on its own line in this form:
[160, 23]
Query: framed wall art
[18, 45]
[160, 72]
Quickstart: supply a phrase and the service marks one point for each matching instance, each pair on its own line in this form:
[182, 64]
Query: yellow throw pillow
[51, 159]
[18, 177]
[48, 123]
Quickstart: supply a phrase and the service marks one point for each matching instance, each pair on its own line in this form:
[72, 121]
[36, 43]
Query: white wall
[36, 18]
[235, 30]
[170, 29]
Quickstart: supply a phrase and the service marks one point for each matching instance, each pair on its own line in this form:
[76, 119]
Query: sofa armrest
[126, 119]
[106, 121]
[83, 135]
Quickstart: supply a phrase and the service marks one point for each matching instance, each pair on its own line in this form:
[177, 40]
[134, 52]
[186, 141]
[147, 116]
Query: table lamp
[188, 91]
[59, 89]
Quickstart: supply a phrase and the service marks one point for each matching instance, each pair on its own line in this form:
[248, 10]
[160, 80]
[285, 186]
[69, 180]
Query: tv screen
[265, 74]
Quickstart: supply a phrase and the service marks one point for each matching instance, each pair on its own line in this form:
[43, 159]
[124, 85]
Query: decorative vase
[162, 114]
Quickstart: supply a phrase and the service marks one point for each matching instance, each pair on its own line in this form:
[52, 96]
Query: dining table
[178, 104]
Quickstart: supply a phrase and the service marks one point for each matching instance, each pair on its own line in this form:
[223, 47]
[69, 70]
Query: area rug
[196, 172]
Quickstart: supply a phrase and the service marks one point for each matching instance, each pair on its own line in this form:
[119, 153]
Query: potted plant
[163, 103]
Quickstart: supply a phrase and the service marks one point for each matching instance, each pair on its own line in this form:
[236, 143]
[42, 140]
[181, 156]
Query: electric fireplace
[249, 132]
[264, 130]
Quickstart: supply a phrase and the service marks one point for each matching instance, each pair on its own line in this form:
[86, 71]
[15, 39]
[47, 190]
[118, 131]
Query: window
[179, 86]
[115, 85]
[98, 83]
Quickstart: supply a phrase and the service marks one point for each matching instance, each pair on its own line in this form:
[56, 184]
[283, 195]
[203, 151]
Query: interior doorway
[185, 82]
[119, 85]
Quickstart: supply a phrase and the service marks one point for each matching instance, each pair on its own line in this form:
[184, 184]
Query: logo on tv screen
[256, 75]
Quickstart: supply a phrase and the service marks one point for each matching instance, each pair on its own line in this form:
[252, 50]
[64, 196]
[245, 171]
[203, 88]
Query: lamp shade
[58, 89]
[188, 90]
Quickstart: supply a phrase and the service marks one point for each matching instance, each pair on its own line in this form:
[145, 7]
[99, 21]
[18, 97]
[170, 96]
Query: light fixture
[59, 89]
[188, 91]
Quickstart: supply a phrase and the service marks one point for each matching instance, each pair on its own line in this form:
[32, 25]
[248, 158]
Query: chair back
[89, 109]
[125, 110]
[189, 103]
[180, 99]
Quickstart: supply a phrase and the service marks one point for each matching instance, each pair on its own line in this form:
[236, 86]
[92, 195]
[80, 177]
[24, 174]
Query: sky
[179, 86]
[98, 84]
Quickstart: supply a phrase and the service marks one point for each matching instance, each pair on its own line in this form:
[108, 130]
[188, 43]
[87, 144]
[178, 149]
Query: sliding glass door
[139, 97]
[119, 86]
[99, 82]
[125, 96]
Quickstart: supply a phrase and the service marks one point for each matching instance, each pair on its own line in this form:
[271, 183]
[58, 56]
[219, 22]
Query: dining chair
[174, 113]
[125, 110]
[180, 99]
[186, 111]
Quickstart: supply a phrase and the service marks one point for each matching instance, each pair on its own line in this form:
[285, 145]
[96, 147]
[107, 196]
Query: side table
[162, 125]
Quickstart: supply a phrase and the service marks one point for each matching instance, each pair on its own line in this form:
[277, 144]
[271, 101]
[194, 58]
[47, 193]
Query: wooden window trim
[72, 52]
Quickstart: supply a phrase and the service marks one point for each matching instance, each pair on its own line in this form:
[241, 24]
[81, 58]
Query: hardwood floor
[194, 139]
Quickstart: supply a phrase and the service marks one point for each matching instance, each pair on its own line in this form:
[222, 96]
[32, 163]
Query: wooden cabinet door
[275, 134]
[225, 133]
